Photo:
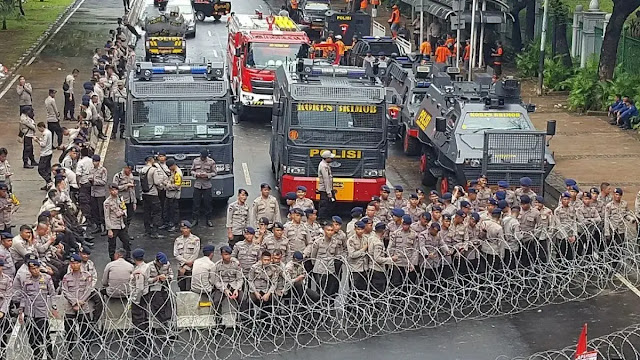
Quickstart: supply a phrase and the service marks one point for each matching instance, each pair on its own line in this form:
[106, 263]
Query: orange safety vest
[498, 58]
[425, 48]
[340, 47]
[375, 2]
[329, 40]
[442, 53]
[467, 52]
[364, 4]
[395, 17]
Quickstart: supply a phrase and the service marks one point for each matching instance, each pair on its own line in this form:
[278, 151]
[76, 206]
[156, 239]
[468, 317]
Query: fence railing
[378, 29]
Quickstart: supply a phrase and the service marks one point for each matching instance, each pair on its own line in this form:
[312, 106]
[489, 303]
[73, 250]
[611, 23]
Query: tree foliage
[7, 9]
[608, 56]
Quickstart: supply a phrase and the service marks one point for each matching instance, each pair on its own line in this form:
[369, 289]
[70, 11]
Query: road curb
[46, 35]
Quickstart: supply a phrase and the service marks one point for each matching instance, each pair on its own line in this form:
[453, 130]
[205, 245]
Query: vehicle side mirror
[234, 109]
[441, 124]
[551, 127]
[531, 108]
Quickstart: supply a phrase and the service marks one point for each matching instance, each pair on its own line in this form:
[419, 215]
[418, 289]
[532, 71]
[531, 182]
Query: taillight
[394, 112]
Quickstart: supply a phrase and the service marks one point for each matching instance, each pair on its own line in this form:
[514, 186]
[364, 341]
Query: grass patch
[22, 32]
[605, 5]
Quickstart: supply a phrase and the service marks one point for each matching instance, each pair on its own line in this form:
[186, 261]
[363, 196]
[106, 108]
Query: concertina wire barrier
[197, 331]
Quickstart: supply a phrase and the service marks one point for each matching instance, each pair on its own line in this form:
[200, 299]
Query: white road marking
[215, 54]
[247, 177]
[389, 184]
[9, 85]
[105, 143]
[31, 61]
[209, 32]
[627, 283]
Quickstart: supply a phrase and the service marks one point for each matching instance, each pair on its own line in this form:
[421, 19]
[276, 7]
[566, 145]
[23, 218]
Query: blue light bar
[423, 84]
[354, 73]
[180, 69]
[402, 58]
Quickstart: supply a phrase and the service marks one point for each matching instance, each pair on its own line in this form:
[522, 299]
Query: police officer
[525, 189]
[98, 180]
[297, 234]
[325, 186]
[127, 189]
[159, 276]
[529, 219]
[323, 251]
[447, 207]
[8, 266]
[115, 216]
[296, 274]
[6, 208]
[83, 174]
[164, 173]
[76, 289]
[151, 201]
[173, 189]
[492, 243]
[512, 235]
[432, 250]
[413, 209]
[617, 219]
[5, 168]
[247, 251]
[567, 228]
[312, 225]
[547, 224]
[237, 218]
[403, 242]
[116, 275]
[302, 201]
[203, 169]
[262, 281]
[589, 225]
[356, 215]
[276, 240]
[229, 280]
[185, 249]
[36, 306]
[379, 259]
[6, 295]
[266, 205]
[398, 201]
[203, 275]
[139, 302]
[358, 258]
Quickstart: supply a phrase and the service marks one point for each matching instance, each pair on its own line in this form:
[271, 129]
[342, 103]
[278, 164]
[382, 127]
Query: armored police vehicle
[469, 129]
[329, 107]
[408, 82]
[181, 109]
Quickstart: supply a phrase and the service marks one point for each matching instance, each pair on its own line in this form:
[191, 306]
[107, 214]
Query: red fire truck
[257, 46]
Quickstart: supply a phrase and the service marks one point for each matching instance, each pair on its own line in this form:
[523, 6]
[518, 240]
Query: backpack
[144, 181]
[65, 86]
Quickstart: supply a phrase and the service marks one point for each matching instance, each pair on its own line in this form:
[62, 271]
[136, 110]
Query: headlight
[248, 97]
[295, 170]
[219, 167]
[373, 172]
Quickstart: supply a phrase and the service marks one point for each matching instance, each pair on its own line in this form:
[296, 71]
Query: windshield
[339, 117]
[185, 9]
[478, 121]
[316, 6]
[386, 48]
[179, 120]
[264, 55]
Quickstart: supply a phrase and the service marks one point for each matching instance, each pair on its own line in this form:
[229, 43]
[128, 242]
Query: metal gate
[378, 29]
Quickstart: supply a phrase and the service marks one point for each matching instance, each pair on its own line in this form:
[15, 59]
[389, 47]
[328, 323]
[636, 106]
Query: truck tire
[200, 16]
[410, 145]
[427, 178]
[217, 17]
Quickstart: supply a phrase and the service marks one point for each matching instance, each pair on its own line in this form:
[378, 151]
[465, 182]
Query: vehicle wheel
[200, 16]
[443, 185]
[410, 145]
[217, 17]
[427, 178]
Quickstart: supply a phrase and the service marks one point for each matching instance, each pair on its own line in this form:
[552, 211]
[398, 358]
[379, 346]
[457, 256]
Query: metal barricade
[378, 29]
[404, 44]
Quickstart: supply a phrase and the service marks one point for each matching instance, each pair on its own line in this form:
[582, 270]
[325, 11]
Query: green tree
[609, 53]
[559, 11]
[516, 31]
[7, 9]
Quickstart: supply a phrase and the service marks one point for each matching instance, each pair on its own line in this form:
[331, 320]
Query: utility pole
[473, 39]
[421, 23]
[543, 40]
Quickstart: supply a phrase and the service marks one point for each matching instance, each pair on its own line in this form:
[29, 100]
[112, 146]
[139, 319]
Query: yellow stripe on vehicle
[344, 187]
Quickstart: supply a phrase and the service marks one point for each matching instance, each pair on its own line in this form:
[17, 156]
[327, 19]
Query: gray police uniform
[228, 277]
[115, 216]
[115, 278]
[237, 221]
[203, 171]
[247, 254]
[185, 250]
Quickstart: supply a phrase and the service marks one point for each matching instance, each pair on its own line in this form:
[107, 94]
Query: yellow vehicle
[165, 37]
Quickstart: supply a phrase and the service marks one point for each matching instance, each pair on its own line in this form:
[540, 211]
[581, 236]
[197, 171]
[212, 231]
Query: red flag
[582, 342]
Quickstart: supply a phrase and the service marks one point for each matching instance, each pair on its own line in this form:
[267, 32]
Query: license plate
[186, 183]
[338, 185]
[204, 304]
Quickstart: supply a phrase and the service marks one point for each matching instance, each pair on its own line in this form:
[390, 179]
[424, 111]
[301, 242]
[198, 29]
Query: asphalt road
[548, 328]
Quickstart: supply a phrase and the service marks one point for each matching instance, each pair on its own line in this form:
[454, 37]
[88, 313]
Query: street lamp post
[543, 39]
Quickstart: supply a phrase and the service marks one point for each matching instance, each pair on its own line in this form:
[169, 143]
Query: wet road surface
[554, 326]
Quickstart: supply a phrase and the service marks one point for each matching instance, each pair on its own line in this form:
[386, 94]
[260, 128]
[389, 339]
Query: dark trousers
[302, 294]
[399, 275]
[325, 207]
[38, 330]
[239, 303]
[565, 249]
[118, 120]
[97, 209]
[202, 198]
[123, 235]
[490, 263]
[98, 306]
[77, 337]
[5, 331]
[160, 305]
[56, 130]
[130, 213]
[173, 211]
[69, 106]
[378, 282]
[184, 280]
[328, 283]
[152, 212]
[162, 195]
[260, 302]
[497, 69]
[27, 151]
[84, 201]
[140, 321]
[359, 280]
[44, 168]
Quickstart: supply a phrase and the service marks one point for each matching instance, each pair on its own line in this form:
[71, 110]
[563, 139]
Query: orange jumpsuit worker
[341, 47]
[425, 49]
[374, 11]
[394, 21]
[442, 53]
[363, 5]
[497, 58]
